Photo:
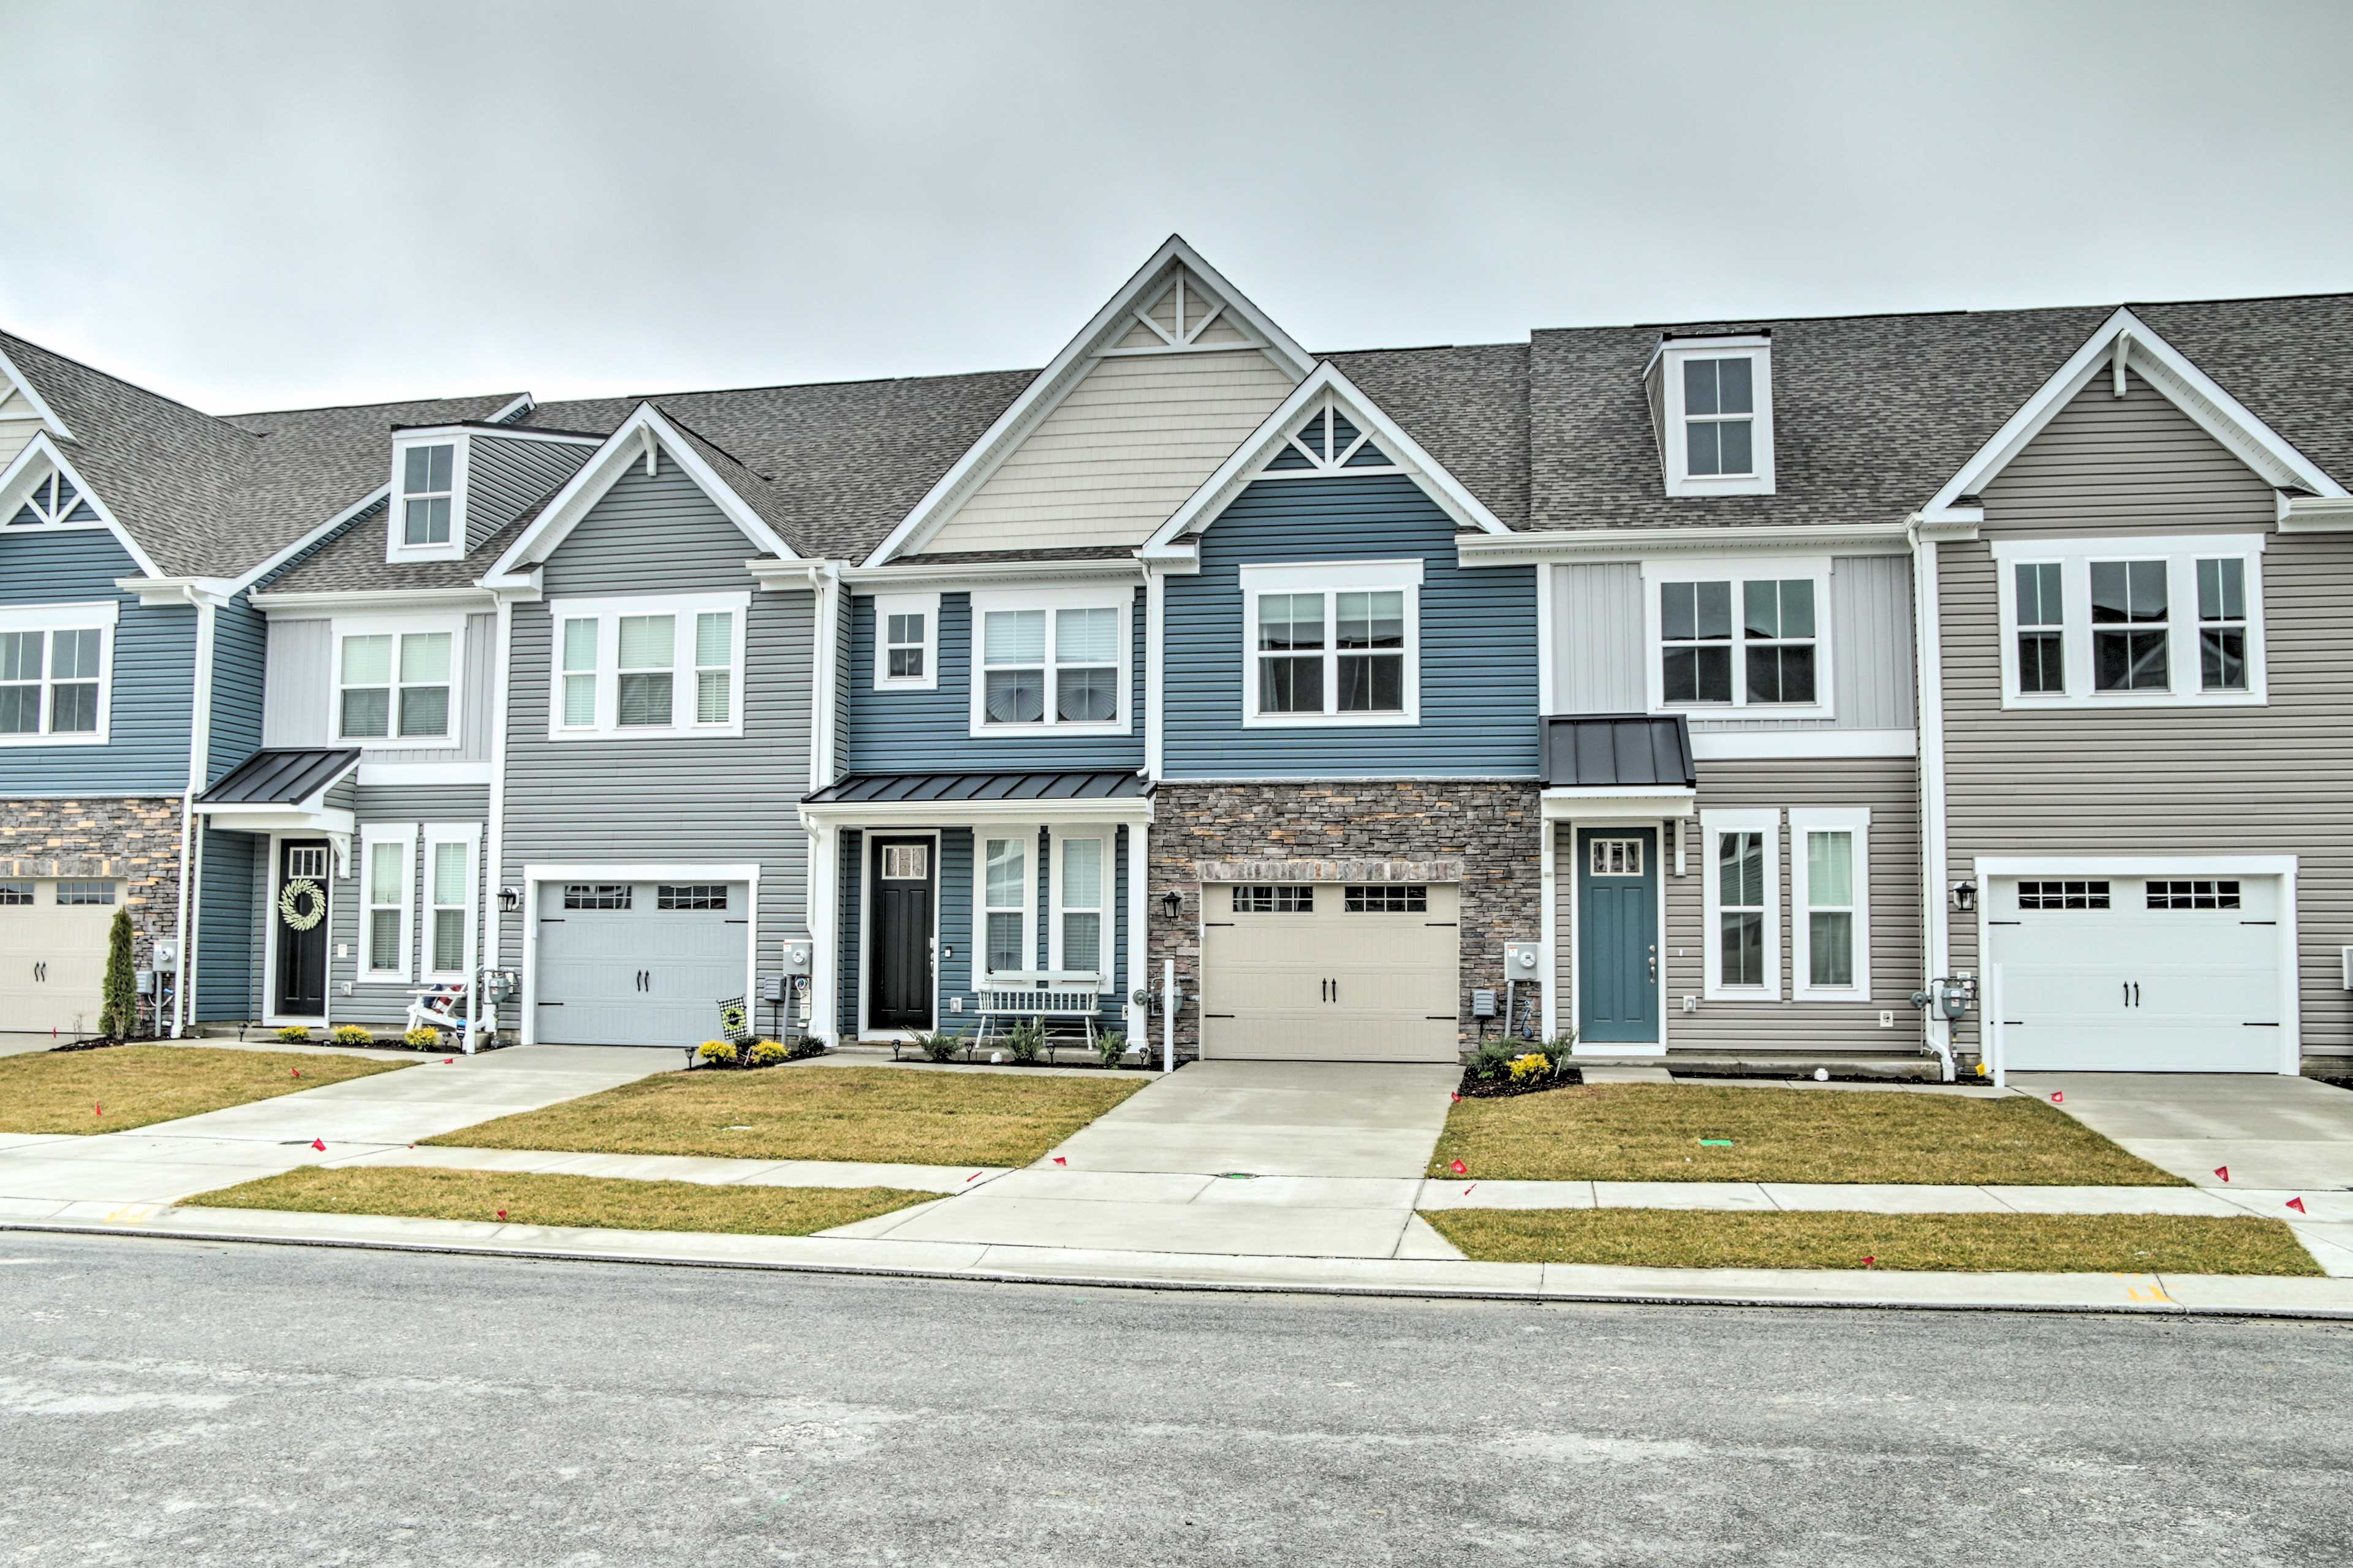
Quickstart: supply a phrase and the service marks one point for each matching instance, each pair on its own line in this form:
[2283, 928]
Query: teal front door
[1618, 935]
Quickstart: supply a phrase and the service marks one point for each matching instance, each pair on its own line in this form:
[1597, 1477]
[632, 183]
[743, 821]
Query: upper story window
[397, 684]
[1740, 634]
[1334, 642]
[54, 503]
[56, 672]
[647, 667]
[428, 499]
[1055, 659]
[1713, 401]
[2131, 621]
[906, 634]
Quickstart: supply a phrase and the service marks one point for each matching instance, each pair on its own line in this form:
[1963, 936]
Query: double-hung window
[452, 850]
[2166, 620]
[397, 684]
[1337, 643]
[1712, 400]
[427, 515]
[1082, 896]
[906, 631]
[1056, 658]
[1830, 854]
[55, 670]
[388, 884]
[1007, 889]
[647, 667]
[1719, 417]
[1742, 904]
[1745, 635]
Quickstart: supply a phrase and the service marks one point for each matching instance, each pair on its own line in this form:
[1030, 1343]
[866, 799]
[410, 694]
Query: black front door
[899, 934]
[298, 906]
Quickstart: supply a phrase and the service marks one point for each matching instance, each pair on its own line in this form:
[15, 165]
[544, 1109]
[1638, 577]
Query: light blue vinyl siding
[1478, 640]
[229, 940]
[241, 647]
[931, 732]
[153, 681]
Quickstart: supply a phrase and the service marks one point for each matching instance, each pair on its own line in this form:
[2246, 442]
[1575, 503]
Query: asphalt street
[193, 1405]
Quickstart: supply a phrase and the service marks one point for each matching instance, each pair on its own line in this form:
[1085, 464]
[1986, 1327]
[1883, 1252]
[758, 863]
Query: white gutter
[2315, 514]
[354, 601]
[1936, 1032]
[1577, 544]
[905, 573]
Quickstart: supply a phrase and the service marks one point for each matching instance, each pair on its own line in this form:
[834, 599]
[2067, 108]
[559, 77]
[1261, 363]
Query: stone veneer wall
[135, 841]
[1492, 827]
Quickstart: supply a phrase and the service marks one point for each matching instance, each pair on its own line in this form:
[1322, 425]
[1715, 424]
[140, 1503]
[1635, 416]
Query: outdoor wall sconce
[510, 900]
[1965, 898]
[1171, 904]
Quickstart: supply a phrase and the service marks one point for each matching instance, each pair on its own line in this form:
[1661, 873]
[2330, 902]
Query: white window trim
[1119, 597]
[1028, 834]
[370, 835]
[100, 617]
[608, 613]
[395, 518]
[1712, 825]
[1852, 819]
[924, 605]
[469, 833]
[1739, 571]
[1329, 578]
[1758, 352]
[1108, 839]
[396, 627]
[2180, 552]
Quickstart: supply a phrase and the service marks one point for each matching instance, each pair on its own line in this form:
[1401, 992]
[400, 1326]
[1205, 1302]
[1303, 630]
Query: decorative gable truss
[42, 491]
[1186, 317]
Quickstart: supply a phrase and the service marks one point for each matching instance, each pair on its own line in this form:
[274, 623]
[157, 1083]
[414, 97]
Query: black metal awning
[949, 789]
[1619, 750]
[284, 777]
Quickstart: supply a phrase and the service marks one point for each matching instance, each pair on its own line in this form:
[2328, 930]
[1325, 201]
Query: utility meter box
[1523, 960]
[167, 955]
[796, 958]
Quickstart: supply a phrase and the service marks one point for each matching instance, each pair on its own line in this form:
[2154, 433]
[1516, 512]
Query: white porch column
[1549, 902]
[1137, 979]
[825, 932]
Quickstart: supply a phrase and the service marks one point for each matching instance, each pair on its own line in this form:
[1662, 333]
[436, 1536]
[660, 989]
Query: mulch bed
[1881, 1079]
[98, 1043]
[1505, 1088]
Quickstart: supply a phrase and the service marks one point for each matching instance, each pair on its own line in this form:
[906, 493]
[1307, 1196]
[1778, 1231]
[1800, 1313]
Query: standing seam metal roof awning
[950, 789]
[1618, 751]
[285, 776]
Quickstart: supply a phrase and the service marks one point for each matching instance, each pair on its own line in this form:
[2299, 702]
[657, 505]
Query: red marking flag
[503, 1214]
[319, 1144]
[1868, 1261]
[2297, 1204]
[1458, 1098]
[1059, 1161]
[1460, 1168]
[973, 1177]
[2058, 1097]
[2223, 1171]
[98, 1110]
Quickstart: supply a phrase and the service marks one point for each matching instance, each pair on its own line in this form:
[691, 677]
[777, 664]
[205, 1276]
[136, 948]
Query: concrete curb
[1649, 1297]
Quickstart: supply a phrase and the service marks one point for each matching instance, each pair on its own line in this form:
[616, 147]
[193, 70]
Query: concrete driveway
[109, 1174]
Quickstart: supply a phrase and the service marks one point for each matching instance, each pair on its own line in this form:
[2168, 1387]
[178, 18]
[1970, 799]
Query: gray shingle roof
[352, 561]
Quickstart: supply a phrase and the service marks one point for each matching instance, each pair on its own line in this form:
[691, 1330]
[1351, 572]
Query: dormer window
[428, 503]
[1713, 401]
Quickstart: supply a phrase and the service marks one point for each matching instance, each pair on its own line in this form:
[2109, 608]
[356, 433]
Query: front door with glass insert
[299, 910]
[899, 936]
[1618, 936]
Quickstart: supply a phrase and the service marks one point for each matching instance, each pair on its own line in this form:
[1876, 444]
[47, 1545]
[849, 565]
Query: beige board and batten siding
[2178, 780]
[299, 692]
[1125, 449]
[690, 799]
[19, 423]
[1601, 647]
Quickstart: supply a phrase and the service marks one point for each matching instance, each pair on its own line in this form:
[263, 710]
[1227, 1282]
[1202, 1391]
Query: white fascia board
[178, 590]
[469, 427]
[1632, 543]
[1260, 446]
[1725, 745]
[564, 511]
[1051, 384]
[1566, 803]
[42, 448]
[384, 601]
[2315, 514]
[351, 513]
[2215, 411]
[986, 574]
[524, 404]
[24, 383]
[958, 812]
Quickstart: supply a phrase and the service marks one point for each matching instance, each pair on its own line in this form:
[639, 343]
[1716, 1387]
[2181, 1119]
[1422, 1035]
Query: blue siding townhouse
[1704, 690]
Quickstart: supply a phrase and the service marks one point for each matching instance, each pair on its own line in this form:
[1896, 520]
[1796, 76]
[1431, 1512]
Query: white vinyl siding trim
[1012, 892]
[1330, 581]
[453, 851]
[693, 646]
[1851, 898]
[1715, 825]
[1081, 899]
[42, 630]
[1739, 572]
[387, 903]
[2180, 552]
[404, 667]
[1675, 450]
[907, 625]
[1050, 605]
[452, 548]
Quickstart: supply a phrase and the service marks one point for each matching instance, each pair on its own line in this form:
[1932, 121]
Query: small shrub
[118, 1012]
[1492, 1059]
[293, 1035]
[1559, 1049]
[1110, 1045]
[1535, 1064]
[941, 1047]
[768, 1052]
[351, 1034]
[1026, 1041]
[424, 1037]
[718, 1053]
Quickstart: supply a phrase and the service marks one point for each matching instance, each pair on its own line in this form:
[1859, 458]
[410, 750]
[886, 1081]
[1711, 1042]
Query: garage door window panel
[16, 895]
[1385, 898]
[1275, 899]
[1742, 906]
[2193, 893]
[598, 895]
[1334, 644]
[1831, 928]
[84, 894]
[55, 669]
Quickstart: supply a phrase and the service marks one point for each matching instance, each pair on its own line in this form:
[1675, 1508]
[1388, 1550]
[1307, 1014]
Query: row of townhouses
[1712, 689]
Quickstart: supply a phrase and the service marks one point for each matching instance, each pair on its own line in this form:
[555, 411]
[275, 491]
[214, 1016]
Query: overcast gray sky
[256, 205]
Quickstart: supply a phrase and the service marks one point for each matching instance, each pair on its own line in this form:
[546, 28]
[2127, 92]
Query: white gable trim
[40, 454]
[2124, 340]
[639, 435]
[1327, 382]
[24, 383]
[1044, 393]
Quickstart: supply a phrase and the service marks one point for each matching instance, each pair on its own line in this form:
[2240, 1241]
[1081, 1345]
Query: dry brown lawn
[116, 1087]
[896, 1115]
[1962, 1243]
[1654, 1133]
[601, 1202]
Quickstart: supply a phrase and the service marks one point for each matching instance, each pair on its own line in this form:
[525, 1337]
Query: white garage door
[2131, 973]
[1326, 972]
[53, 954]
[638, 964]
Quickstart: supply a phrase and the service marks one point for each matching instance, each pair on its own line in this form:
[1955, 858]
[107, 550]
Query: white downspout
[491, 949]
[200, 740]
[1936, 1032]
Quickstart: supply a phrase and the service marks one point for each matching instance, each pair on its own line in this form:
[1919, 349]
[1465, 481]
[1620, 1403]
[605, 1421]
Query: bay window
[649, 667]
[2165, 620]
[55, 670]
[1830, 926]
[1334, 642]
[1055, 659]
[1740, 635]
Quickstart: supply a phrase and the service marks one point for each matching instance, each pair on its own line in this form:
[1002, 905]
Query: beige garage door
[53, 954]
[1328, 972]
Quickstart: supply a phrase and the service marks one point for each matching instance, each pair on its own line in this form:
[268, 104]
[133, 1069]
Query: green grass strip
[115, 1086]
